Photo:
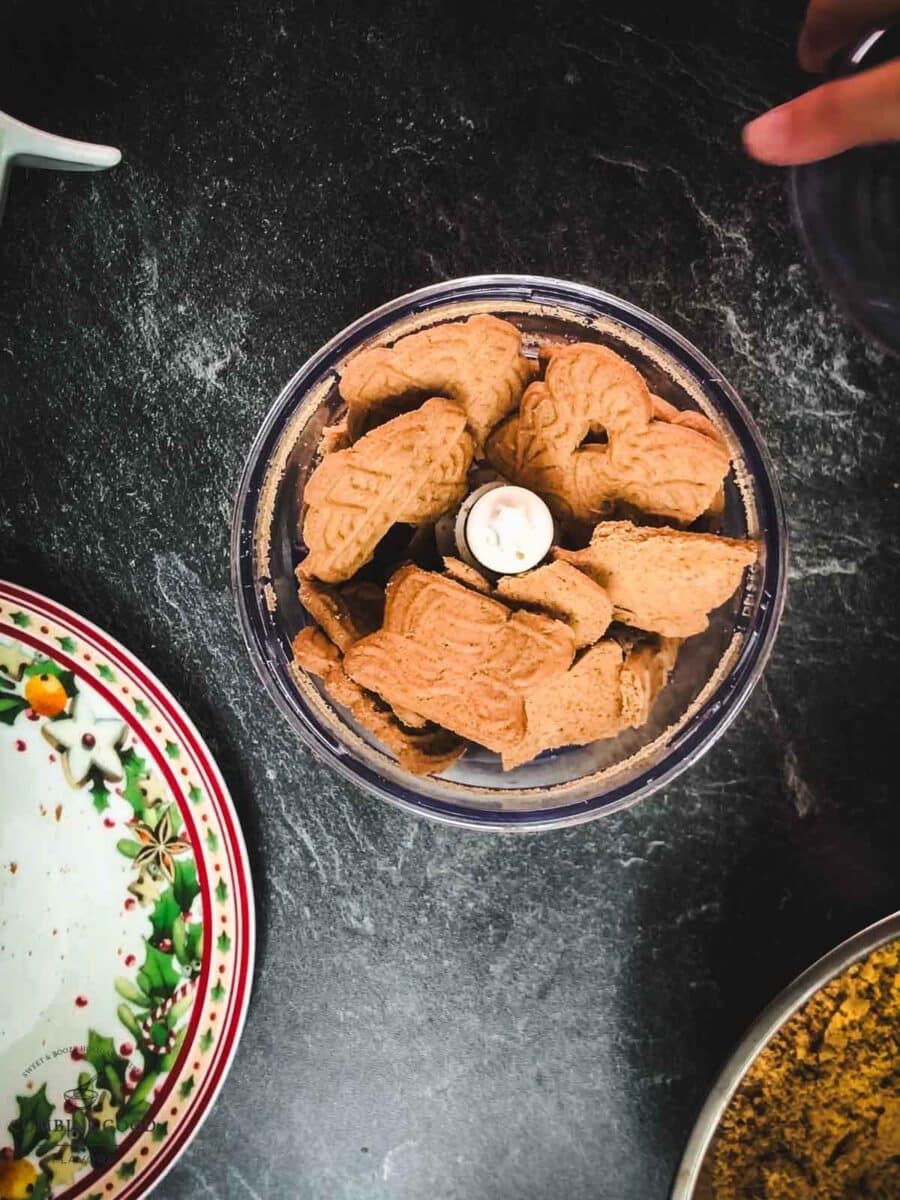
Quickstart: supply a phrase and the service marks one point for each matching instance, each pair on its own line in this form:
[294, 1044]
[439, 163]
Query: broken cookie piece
[315, 652]
[463, 573]
[660, 579]
[564, 592]
[345, 614]
[477, 362]
[462, 659]
[582, 705]
[334, 437]
[668, 467]
[426, 751]
[608, 689]
[645, 672]
[409, 470]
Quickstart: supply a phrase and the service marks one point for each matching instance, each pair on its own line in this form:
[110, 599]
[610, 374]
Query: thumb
[856, 111]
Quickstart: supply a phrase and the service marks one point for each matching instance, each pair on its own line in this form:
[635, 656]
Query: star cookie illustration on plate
[62, 1168]
[154, 791]
[88, 740]
[12, 660]
[145, 889]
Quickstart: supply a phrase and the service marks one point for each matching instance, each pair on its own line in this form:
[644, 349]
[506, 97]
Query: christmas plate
[126, 914]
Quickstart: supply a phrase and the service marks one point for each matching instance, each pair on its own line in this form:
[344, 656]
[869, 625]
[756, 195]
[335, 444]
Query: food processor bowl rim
[703, 729]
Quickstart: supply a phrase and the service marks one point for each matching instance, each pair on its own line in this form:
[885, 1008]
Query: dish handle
[23, 145]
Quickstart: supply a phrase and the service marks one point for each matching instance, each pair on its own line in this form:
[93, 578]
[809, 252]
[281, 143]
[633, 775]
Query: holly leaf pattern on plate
[167, 1062]
[54, 1137]
[109, 1065]
[165, 913]
[185, 886]
[187, 942]
[138, 1104]
[10, 707]
[135, 769]
[33, 1122]
[99, 792]
[157, 977]
[39, 1191]
[195, 942]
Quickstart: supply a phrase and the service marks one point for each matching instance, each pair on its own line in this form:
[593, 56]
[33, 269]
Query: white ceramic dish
[126, 914]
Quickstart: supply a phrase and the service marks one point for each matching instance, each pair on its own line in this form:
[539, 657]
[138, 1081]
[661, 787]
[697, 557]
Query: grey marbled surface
[439, 1014]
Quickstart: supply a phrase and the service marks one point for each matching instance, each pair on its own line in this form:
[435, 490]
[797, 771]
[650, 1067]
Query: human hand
[855, 111]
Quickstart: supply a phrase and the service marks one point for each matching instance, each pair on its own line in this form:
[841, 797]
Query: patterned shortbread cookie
[645, 672]
[460, 658]
[574, 708]
[666, 466]
[347, 614]
[477, 362]
[411, 469]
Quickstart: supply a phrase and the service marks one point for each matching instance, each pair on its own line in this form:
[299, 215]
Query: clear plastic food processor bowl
[716, 671]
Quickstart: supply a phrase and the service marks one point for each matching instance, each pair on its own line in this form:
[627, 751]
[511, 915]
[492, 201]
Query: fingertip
[829, 119]
[767, 138]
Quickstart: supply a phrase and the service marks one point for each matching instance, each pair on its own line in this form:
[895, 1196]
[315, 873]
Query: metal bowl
[692, 1180]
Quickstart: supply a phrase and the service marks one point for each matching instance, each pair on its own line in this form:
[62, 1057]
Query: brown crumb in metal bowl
[817, 1116]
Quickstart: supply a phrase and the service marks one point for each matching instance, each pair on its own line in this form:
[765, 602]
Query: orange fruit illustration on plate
[17, 1179]
[46, 695]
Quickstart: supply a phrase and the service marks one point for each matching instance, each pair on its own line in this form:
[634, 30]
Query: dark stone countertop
[439, 1014]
